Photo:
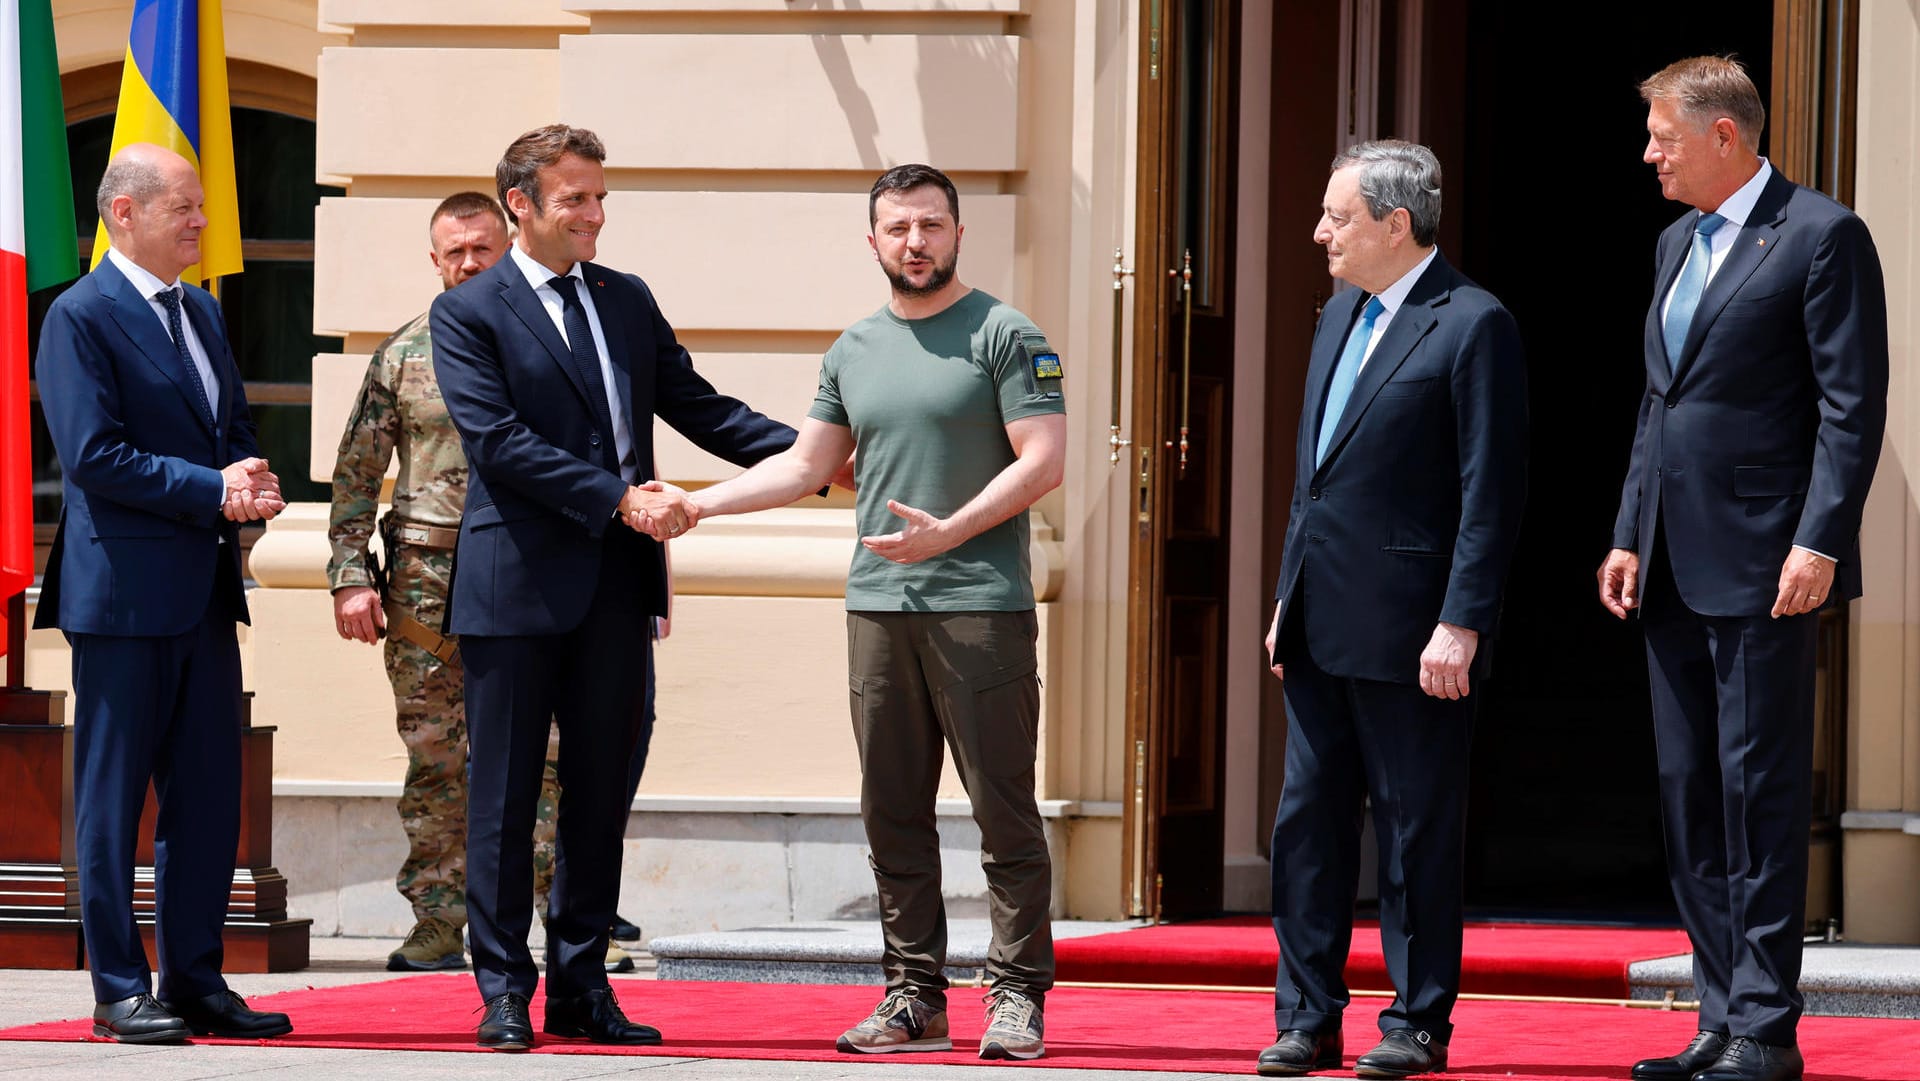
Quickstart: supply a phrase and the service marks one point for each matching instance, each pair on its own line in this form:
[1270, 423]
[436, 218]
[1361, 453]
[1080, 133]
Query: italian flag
[38, 248]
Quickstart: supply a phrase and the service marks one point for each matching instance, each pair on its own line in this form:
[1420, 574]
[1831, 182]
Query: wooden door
[1177, 637]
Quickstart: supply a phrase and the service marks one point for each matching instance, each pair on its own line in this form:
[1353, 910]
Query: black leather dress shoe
[226, 1015]
[623, 929]
[507, 1025]
[596, 1016]
[1404, 1052]
[1747, 1059]
[1299, 1050]
[1699, 1055]
[139, 1019]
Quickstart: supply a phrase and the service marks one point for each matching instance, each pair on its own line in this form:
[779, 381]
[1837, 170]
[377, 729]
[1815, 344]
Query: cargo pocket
[1005, 708]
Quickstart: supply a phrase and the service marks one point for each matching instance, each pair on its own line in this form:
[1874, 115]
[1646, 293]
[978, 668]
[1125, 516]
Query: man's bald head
[150, 202]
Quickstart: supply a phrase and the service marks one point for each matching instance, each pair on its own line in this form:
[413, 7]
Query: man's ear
[121, 211]
[518, 205]
[874, 246]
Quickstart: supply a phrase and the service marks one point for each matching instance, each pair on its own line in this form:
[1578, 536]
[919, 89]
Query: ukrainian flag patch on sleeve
[1045, 361]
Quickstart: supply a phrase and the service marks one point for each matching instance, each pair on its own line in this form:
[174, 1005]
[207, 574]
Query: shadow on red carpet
[1216, 1032]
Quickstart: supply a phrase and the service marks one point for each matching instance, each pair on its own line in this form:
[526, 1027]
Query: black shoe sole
[509, 1046]
[261, 1034]
[580, 1034]
[168, 1035]
[1274, 1069]
[1380, 1073]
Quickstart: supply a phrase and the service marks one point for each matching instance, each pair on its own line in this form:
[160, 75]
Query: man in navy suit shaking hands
[1410, 471]
[553, 368]
[1766, 398]
[149, 416]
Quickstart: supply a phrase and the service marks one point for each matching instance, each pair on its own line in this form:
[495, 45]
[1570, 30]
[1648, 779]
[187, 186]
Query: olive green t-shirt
[928, 401]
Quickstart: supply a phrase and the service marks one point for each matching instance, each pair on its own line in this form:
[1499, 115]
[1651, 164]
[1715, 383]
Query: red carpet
[1086, 1028]
[1500, 959]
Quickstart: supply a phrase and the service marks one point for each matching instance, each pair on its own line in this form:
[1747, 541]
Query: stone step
[1836, 979]
[835, 951]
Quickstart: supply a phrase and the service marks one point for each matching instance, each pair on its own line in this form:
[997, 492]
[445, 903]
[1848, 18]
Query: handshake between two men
[658, 509]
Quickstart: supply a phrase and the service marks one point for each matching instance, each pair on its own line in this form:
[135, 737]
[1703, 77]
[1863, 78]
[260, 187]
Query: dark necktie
[1692, 284]
[587, 359]
[170, 299]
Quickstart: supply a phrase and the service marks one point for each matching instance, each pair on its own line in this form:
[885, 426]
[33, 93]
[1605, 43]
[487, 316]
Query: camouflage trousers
[430, 706]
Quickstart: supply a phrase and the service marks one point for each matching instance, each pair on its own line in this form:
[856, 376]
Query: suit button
[1313, 493]
[1316, 539]
[594, 439]
[1673, 403]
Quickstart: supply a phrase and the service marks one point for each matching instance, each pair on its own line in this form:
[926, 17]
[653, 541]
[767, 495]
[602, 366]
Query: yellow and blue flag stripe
[173, 92]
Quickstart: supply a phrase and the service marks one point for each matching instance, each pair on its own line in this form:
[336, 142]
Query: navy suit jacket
[1764, 432]
[1411, 519]
[139, 539]
[538, 499]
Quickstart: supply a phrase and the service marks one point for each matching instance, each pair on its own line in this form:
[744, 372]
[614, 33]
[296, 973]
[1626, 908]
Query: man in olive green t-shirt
[954, 401]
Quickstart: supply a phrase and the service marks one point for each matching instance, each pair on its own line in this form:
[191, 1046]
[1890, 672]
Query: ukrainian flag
[173, 92]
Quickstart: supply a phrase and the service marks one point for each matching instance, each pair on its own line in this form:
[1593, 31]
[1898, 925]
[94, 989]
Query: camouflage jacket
[399, 410]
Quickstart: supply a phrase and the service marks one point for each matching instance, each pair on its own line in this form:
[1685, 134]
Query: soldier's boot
[432, 945]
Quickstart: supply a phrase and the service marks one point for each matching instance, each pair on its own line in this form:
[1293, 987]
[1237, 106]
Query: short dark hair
[1706, 88]
[467, 204]
[904, 178]
[520, 166]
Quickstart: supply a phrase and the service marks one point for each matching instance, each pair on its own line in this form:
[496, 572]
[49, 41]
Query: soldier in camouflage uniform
[399, 410]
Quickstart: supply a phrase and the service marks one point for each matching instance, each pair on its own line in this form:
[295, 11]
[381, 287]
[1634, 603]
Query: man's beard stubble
[936, 281]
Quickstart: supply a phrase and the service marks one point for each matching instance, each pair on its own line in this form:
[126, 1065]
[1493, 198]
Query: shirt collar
[1739, 206]
[1396, 294]
[536, 273]
[144, 281]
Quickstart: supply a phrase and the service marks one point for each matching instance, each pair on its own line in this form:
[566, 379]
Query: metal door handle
[1185, 274]
[1121, 273]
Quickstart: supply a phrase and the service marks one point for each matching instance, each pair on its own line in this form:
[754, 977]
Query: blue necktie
[1692, 283]
[586, 359]
[170, 299]
[1345, 374]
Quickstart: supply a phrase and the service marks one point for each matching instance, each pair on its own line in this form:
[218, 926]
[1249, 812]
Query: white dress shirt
[537, 277]
[1391, 298]
[150, 286]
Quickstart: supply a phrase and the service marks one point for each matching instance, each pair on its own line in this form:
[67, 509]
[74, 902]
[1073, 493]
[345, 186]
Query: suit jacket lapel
[1672, 258]
[1409, 325]
[613, 326]
[1341, 311]
[1755, 242]
[520, 297]
[137, 319]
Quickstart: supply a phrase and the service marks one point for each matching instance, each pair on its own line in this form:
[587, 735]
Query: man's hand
[357, 614]
[1273, 638]
[253, 492]
[659, 510]
[1446, 660]
[924, 537]
[1806, 580]
[1619, 579]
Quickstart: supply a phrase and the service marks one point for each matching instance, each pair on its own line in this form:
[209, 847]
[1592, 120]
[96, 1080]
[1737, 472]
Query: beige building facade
[1140, 178]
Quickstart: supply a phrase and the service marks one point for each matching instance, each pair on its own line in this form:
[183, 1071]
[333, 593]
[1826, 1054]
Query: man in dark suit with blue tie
[1766, 355]
[148, 415]
[553, 368]
[1410, 472]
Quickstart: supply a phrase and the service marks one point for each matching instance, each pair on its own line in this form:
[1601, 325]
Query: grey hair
[130, 175]
[1395, 175]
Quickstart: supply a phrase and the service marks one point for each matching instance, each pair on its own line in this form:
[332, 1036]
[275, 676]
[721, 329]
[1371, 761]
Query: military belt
[425, 536]
[405, 627]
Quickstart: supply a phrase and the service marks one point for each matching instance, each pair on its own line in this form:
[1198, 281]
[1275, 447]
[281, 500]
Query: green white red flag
[38, 248]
